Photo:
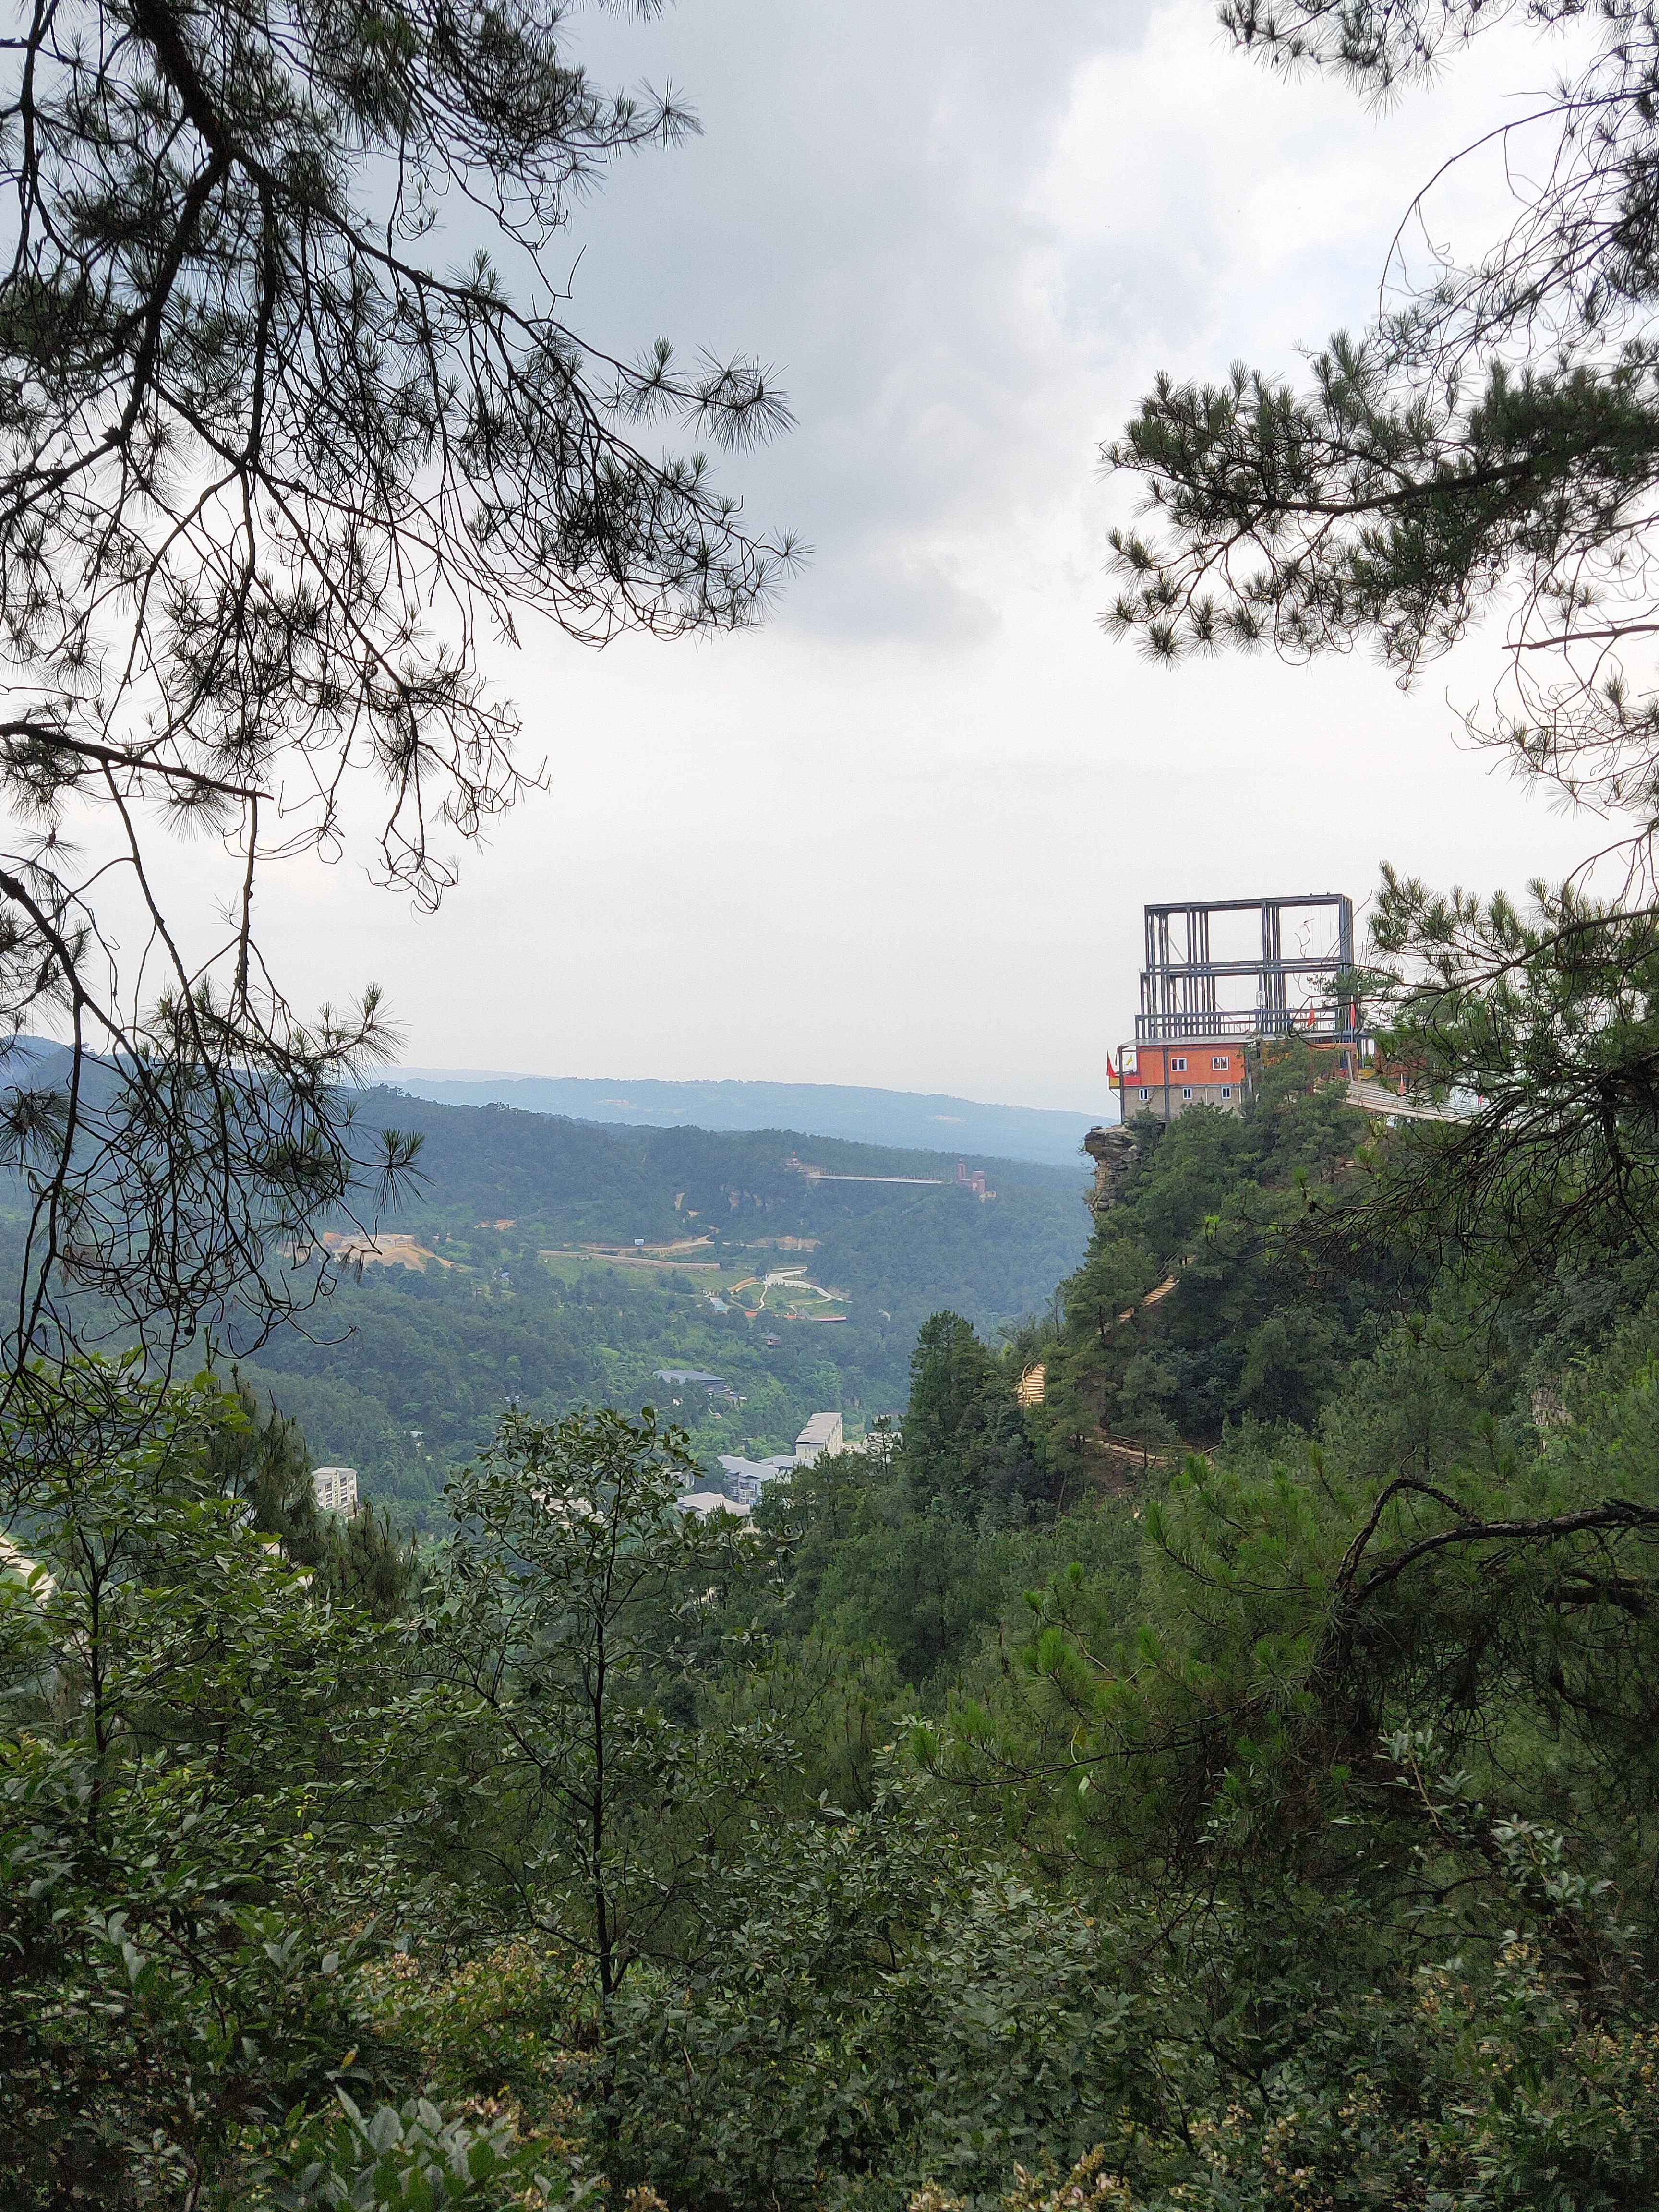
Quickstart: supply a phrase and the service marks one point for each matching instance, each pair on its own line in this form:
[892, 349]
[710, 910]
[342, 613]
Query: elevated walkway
[1377, 1098]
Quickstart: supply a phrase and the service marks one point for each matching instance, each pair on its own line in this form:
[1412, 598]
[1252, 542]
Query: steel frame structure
[1183, 989]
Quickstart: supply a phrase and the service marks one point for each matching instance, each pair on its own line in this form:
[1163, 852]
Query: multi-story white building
[823, 1433]
[335, 1488]
[706, 1502]
[748, 1478]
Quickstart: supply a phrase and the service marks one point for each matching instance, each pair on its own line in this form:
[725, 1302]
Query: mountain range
[933, 1120]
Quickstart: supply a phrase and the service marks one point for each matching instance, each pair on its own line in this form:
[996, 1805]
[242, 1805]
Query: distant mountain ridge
[928, 1121]
[549, 1261]
[915, 1121]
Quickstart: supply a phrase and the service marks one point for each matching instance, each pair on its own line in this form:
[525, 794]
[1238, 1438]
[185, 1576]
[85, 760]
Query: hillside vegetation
[1205, 1757]
[1036, 1812]
[519, 1313]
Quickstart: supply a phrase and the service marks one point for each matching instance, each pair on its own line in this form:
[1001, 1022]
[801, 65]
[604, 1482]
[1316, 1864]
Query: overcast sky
[902, 836]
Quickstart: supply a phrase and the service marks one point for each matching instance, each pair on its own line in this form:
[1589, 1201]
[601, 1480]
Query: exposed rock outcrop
[1114, 1152]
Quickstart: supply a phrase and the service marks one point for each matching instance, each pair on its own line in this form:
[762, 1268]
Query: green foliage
[1212, 1289]
[1544, 1024]
[273, 449]
[487, 2022]
[878, 2002]
[1282, 1827]
[566, 1627]
[880, 1561]
[964, 1441]
[187, 1875]
[1492, 436]
[417, 2158]
[1298, 1609]
[894, 1247]
[263, 1461]
[408, 1376]
[889, 2006]
[1102, 1835]
[1467, 2092]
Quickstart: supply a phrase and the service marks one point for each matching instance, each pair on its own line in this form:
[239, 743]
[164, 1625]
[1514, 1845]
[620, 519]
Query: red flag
[1111, 1072]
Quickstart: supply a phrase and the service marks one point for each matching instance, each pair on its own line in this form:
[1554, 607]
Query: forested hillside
[1039, 1812]
[404, 1374]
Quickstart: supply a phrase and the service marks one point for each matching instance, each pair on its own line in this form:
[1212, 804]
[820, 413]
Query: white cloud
[904, 836]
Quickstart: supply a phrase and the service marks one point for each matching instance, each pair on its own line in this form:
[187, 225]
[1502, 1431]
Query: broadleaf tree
[194, 1790]
[564, 1650]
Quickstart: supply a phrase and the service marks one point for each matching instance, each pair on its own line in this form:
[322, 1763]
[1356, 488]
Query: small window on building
[1220, 1062]
[1179, 1066]
[1187, 1091]
[1145, 1094]
[1226, 1089]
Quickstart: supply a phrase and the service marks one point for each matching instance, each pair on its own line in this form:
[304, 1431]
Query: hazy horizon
[930, 1121]
[901, 837]
[433, 1074]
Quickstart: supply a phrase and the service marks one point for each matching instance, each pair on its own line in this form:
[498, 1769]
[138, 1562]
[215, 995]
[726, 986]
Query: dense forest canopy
[1231, 1762]
[403, 1374]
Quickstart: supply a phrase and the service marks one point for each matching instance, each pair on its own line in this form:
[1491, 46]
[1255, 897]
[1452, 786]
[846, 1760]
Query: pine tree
[266, 1465]
[1494, 441]
[271, 463]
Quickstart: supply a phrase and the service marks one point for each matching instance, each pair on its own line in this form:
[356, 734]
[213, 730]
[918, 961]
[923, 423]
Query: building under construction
[1223, 978]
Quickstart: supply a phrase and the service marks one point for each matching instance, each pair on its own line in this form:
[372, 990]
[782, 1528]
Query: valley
[554, 1264]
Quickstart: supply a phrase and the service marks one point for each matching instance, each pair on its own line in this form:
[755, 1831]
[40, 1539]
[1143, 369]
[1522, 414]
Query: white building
[336, 1488]
[823, 1433]
[748, 1477]
[706, 1503]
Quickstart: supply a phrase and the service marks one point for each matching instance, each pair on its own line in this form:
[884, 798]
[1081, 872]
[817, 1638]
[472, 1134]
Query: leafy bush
[419, 2158]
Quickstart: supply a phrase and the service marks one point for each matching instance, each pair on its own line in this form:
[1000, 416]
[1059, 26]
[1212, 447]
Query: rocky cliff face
[1113, 1152]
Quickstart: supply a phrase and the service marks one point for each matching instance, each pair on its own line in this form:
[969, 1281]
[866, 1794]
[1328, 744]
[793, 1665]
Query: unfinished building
[1221, 978]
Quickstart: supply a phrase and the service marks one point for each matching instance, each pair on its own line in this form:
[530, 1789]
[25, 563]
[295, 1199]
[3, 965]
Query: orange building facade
[1225, 979]
[1165, 1079]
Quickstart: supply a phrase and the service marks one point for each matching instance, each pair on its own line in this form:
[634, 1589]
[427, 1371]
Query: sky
[902, 834]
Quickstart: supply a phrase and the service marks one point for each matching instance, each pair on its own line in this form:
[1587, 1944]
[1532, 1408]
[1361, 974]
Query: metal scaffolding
[1185, 993]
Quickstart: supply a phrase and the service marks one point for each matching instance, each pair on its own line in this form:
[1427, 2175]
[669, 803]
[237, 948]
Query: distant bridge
[817, 1174]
